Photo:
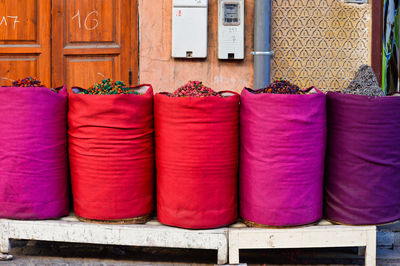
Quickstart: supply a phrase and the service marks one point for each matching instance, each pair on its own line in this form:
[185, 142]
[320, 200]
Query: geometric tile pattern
[320, 42]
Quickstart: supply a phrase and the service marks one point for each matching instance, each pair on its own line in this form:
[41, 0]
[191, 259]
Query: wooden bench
[151, 234]
[322, 235]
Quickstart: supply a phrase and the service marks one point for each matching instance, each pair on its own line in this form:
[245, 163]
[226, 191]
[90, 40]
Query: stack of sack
[303, 155]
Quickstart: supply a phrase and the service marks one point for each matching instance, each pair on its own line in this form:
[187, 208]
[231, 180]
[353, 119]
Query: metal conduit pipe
[262, 43]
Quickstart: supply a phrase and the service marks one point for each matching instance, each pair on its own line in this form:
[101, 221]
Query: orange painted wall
[156, 66]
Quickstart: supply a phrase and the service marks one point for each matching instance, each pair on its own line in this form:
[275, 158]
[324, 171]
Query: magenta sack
[362, 183]
[283, 143]
[33, 153]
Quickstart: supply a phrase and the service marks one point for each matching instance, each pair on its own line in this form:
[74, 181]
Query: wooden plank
[134, 56]
[376, 39]
[370, 251]
[91, 51]
[20, 50]
[57, 43]
[322, 235]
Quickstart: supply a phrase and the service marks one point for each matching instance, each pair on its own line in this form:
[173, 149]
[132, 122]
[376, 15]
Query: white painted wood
[4, 257]
[234, 244]
[152, 234]
[4, 240]
[322, 235]
[370, 250]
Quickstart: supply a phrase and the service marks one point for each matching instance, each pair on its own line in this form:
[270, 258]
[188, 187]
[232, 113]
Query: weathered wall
[316, 42]
[166, 74]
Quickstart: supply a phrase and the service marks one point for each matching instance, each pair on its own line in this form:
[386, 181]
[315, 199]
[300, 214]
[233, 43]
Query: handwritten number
[93, 13]
[15, 20]
[97, 22]
[78, 15]
[4, 20]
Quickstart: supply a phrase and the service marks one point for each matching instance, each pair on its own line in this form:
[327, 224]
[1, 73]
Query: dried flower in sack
[364, 83]
[109, 87]
[194, 89]
[30, 82]
[279, 86]
[27, 82]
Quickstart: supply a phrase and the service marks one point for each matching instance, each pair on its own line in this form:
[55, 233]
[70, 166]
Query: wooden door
[376, 40]
[93, 39]
[25, 32]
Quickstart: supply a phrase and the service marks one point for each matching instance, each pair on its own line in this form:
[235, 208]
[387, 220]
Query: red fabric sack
[33, 153]
[111, 154]
[197, 153]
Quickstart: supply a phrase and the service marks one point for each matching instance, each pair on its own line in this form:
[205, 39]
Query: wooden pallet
[152, 234]
[322, 235]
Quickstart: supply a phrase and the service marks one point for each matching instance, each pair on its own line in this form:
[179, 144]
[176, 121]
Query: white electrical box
[231, 29]
[189, 28]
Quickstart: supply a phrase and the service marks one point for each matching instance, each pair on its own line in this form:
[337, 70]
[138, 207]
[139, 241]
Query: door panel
[20, 67]
[25, 33]
[16, 18]
[92, 40]
[103, 66]
[93, 21]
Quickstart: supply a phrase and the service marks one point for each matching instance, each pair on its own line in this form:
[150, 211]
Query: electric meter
[231, 29]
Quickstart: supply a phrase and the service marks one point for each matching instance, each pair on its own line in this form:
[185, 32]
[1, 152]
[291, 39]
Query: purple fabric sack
[283, 142]
[362, 184]
[33, 153]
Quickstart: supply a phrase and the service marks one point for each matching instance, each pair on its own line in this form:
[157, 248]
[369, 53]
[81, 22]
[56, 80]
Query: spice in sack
[27, 82]
[194, 89]
[279, 86]
[364, 83]
[30, 82]
[108, 87]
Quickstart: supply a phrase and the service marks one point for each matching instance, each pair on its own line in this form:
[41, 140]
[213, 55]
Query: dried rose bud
[194, 89]
[27, 82]
[280, 86]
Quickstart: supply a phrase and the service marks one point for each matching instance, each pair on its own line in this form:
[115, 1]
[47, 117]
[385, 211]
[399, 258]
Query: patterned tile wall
[320, 42]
